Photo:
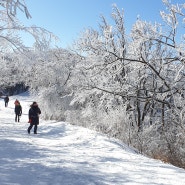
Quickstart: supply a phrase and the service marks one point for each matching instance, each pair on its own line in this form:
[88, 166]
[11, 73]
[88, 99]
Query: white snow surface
[63, 154]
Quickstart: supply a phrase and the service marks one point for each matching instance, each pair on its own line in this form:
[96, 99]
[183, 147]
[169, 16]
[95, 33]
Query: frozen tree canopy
[11, 7]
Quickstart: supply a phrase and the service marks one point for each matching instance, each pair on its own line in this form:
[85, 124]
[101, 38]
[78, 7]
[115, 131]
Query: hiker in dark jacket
[33, 116]
[18, 112]
[6, 100]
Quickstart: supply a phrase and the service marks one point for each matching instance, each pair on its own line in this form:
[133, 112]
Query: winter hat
[34, 103]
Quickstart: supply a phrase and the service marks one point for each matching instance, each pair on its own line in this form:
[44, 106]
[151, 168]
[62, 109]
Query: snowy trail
[63, 154]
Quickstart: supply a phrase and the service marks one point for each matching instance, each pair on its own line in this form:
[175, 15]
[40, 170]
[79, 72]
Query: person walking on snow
[6, 100]
[18, 112]
[33, 116]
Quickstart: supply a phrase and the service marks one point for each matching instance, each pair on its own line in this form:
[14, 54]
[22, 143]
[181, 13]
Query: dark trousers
[6, 104]
[30, 127]
[17, 117]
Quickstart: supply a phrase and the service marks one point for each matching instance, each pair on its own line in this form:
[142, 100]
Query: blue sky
[67, 18]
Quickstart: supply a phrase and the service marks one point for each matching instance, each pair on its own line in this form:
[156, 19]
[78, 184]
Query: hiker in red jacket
[18, 112]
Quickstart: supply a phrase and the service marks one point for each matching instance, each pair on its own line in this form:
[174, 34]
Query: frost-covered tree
[139, 78]
[99, 73]
[161, 78]
[48, 75]
[13, 49]
[11, 28]
[11, 7]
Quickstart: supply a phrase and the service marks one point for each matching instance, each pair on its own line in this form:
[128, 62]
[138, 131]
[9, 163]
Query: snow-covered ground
[62, 154]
